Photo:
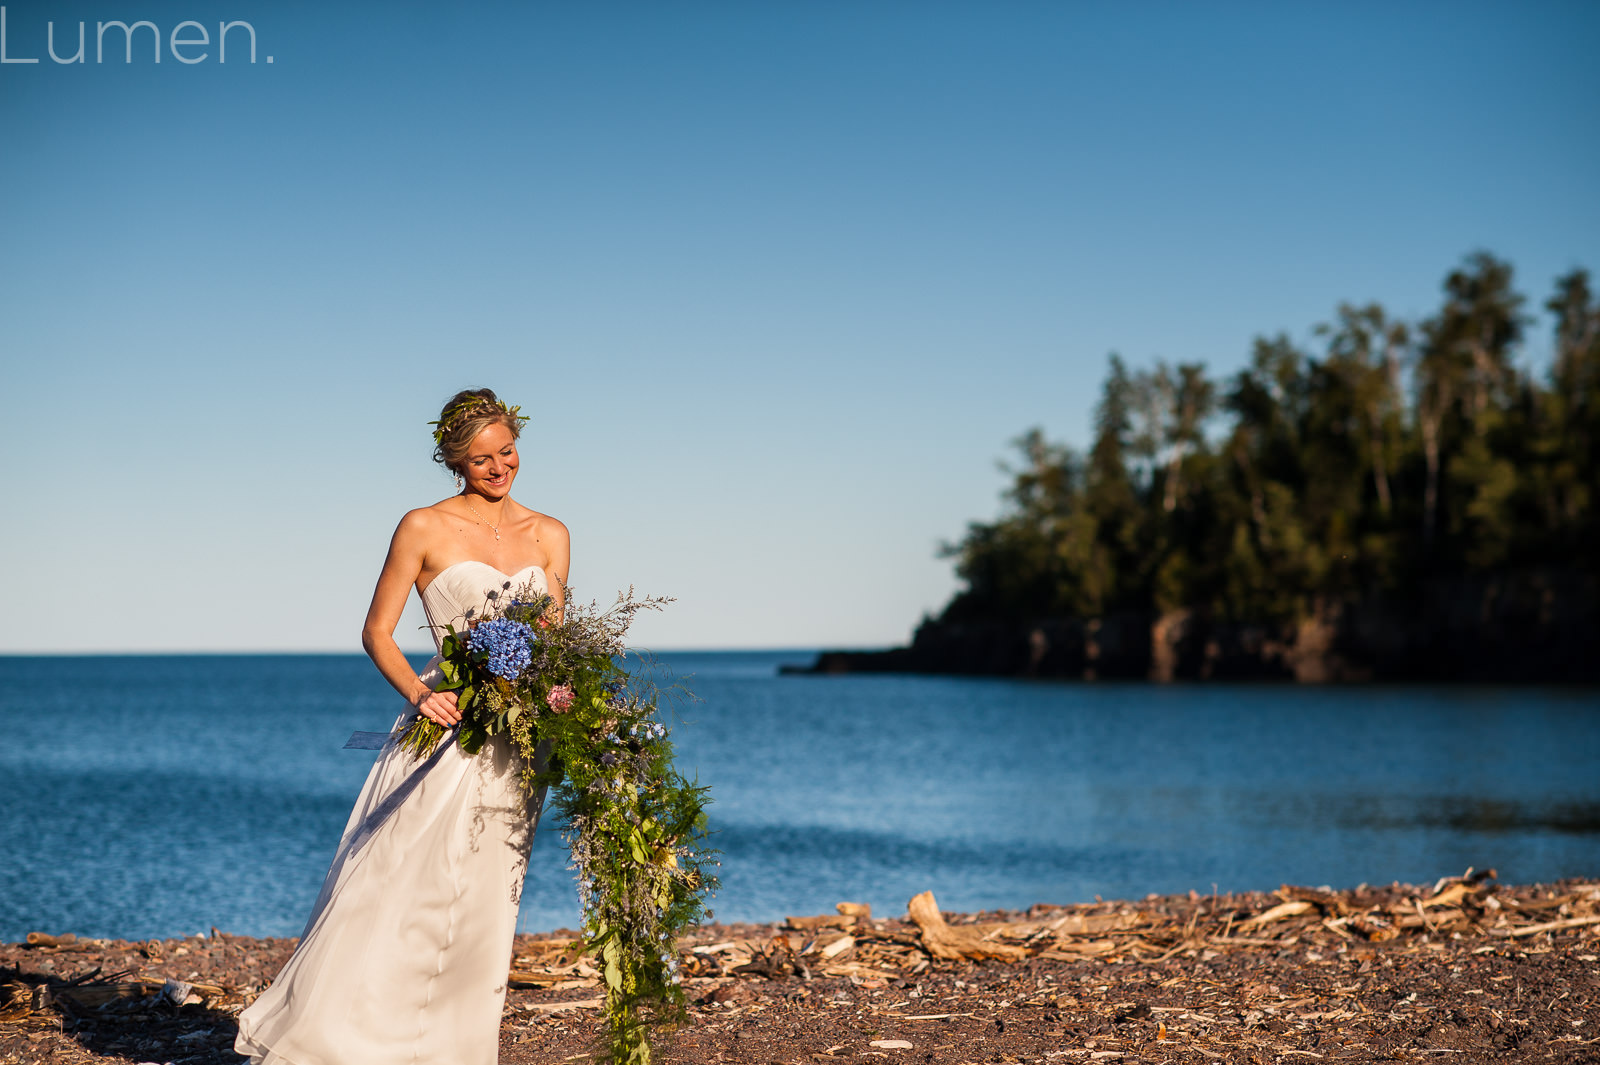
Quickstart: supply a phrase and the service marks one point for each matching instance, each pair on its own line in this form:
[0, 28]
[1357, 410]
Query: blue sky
[778, 281]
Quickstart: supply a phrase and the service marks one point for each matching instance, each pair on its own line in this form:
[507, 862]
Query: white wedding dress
[405, 957]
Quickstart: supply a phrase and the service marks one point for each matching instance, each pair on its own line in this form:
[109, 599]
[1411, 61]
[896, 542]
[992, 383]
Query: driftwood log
[944, 940]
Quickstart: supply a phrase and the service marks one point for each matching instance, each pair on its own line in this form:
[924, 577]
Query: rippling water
[150, 796]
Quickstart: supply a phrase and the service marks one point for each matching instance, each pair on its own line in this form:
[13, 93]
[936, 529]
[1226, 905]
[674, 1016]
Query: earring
[459, 482]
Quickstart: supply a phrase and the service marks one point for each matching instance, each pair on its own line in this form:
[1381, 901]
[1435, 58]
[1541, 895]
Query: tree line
[1395, 452]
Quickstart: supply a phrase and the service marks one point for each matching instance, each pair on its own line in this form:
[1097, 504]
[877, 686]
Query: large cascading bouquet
[586, 727]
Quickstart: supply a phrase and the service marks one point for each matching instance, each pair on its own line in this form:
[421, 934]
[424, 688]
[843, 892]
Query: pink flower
[561, 698]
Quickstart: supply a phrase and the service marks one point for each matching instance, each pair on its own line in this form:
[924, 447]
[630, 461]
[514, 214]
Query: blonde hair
[466, 415]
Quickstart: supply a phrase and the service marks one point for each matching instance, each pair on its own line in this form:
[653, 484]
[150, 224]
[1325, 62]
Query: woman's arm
[407, 551]
[559, 545]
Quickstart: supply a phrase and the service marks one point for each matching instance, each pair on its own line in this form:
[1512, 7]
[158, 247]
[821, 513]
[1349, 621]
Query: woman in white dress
[405, 956]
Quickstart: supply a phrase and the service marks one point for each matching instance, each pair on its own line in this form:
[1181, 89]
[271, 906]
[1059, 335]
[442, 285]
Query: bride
[406, 952]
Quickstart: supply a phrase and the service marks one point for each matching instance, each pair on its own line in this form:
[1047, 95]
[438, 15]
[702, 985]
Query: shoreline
[1465, 968]
[1528, 625]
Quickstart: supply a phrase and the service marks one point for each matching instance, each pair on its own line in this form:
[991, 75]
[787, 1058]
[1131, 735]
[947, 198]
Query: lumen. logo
[189, 42]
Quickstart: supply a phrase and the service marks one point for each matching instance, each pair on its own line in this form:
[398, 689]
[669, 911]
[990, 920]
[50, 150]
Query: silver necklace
[483, 520]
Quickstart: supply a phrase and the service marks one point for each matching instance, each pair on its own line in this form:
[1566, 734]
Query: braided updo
[466, 415]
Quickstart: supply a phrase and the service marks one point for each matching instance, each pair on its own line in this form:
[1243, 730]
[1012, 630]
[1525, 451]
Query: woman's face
[491, 462]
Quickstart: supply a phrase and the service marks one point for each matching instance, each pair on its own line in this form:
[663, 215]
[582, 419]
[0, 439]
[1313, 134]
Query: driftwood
[1462, 968]
[1548, 926]
[1277, 913]
[1450, 896]
[838, 947]
[1071, 950]
[944, 940]
[571, 1004]
[1078, 924]
[827, 920]
[44, 939]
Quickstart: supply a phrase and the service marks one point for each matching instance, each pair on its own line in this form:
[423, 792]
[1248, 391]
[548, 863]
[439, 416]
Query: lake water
[156, 796]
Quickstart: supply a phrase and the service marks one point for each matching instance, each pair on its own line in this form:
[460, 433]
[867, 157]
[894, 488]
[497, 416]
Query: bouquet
[588, 729]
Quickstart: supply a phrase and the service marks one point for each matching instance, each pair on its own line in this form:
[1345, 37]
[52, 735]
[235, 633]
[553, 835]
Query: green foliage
[586, 727]
[1400, 451]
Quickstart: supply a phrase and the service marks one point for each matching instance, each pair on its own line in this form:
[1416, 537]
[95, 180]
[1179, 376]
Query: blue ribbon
[392, 801]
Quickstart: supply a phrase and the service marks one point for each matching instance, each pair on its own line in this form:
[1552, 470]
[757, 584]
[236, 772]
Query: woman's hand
[438, 707]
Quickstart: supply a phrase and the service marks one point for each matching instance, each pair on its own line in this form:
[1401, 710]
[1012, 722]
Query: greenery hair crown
[471, 407]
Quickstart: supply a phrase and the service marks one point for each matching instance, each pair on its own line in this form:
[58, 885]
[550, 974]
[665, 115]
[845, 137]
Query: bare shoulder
[421, 521]
[550, 530]
[419, 529]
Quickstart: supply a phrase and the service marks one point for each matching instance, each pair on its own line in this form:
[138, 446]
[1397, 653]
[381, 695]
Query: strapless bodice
[462, 591]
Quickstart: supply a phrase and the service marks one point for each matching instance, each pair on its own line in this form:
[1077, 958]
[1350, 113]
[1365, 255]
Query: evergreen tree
[1400, 452]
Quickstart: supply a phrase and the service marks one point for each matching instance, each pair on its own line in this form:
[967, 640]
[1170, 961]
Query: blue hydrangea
[506, 644]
